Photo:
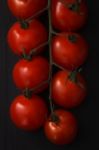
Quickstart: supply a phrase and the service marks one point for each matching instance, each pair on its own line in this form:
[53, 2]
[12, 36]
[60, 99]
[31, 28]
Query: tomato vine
[70, 75]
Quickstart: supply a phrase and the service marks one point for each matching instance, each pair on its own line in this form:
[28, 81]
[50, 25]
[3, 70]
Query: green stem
[72, 38]
[39, 86]
[24, 24]
[33, 51]
[50, 55]
[58, 66]
[73, 76]
[37, 14]
[27, 93]
[72, 6]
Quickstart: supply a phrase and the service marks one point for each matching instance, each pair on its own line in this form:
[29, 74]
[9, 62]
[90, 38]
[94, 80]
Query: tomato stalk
[24, 24]
[58, 66]
[39, 86]
[72, 38]
[54, 117]
[27, 93]
[73, 75]
[51, 61]
[36, 14]
[73, 6]
[33, 51]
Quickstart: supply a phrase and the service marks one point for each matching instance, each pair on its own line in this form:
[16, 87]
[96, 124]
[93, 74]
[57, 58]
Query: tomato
[28, 114]
[26, 38]
[30, 74]
[24, 9]
[69, 15]
[63, 129]
[69, 50]
[68, 89]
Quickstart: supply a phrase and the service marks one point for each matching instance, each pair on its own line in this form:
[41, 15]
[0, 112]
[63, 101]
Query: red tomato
[28, 114]
[69, 50]
[30, 74]
[63, 130]
[69, 15]
[26, 8]
[68, 90]
[20, 38]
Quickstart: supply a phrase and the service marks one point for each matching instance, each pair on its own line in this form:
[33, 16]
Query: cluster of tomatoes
[69, 50]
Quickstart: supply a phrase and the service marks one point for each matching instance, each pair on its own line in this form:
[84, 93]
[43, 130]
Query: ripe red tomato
[20, 38]
[69, 15]
[28, 114]
[29, 74]
[63, 129]
[69, 50]
[24, 9]
[68, 89]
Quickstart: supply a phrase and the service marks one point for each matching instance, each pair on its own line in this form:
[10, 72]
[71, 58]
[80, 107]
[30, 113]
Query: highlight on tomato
[69, 89]
[61, 127]
[69, 15]
[31, 73]
[69, 50]
[28, 113]
[24, 9]
[24, 37]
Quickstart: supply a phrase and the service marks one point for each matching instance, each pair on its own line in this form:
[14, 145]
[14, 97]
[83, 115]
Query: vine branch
[51, 61]
[36, 14]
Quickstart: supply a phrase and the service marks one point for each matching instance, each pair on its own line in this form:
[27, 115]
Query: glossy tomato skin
[69, 50]
[64, 131]
[66, 19]
[24, 9]
[67, 93]
[20, 39]
[30, 74]
[28, 114]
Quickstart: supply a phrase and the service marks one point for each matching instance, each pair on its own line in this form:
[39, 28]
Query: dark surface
[12, 138]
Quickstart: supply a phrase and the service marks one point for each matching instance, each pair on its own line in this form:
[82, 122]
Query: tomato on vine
[28, 114]
[24, 9]
[61, 128]
[69, 15]
[68, 89]
[69, 50]
[31, 73]
[26, 37]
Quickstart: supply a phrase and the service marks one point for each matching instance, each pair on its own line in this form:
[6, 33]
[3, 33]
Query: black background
[12, 138]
